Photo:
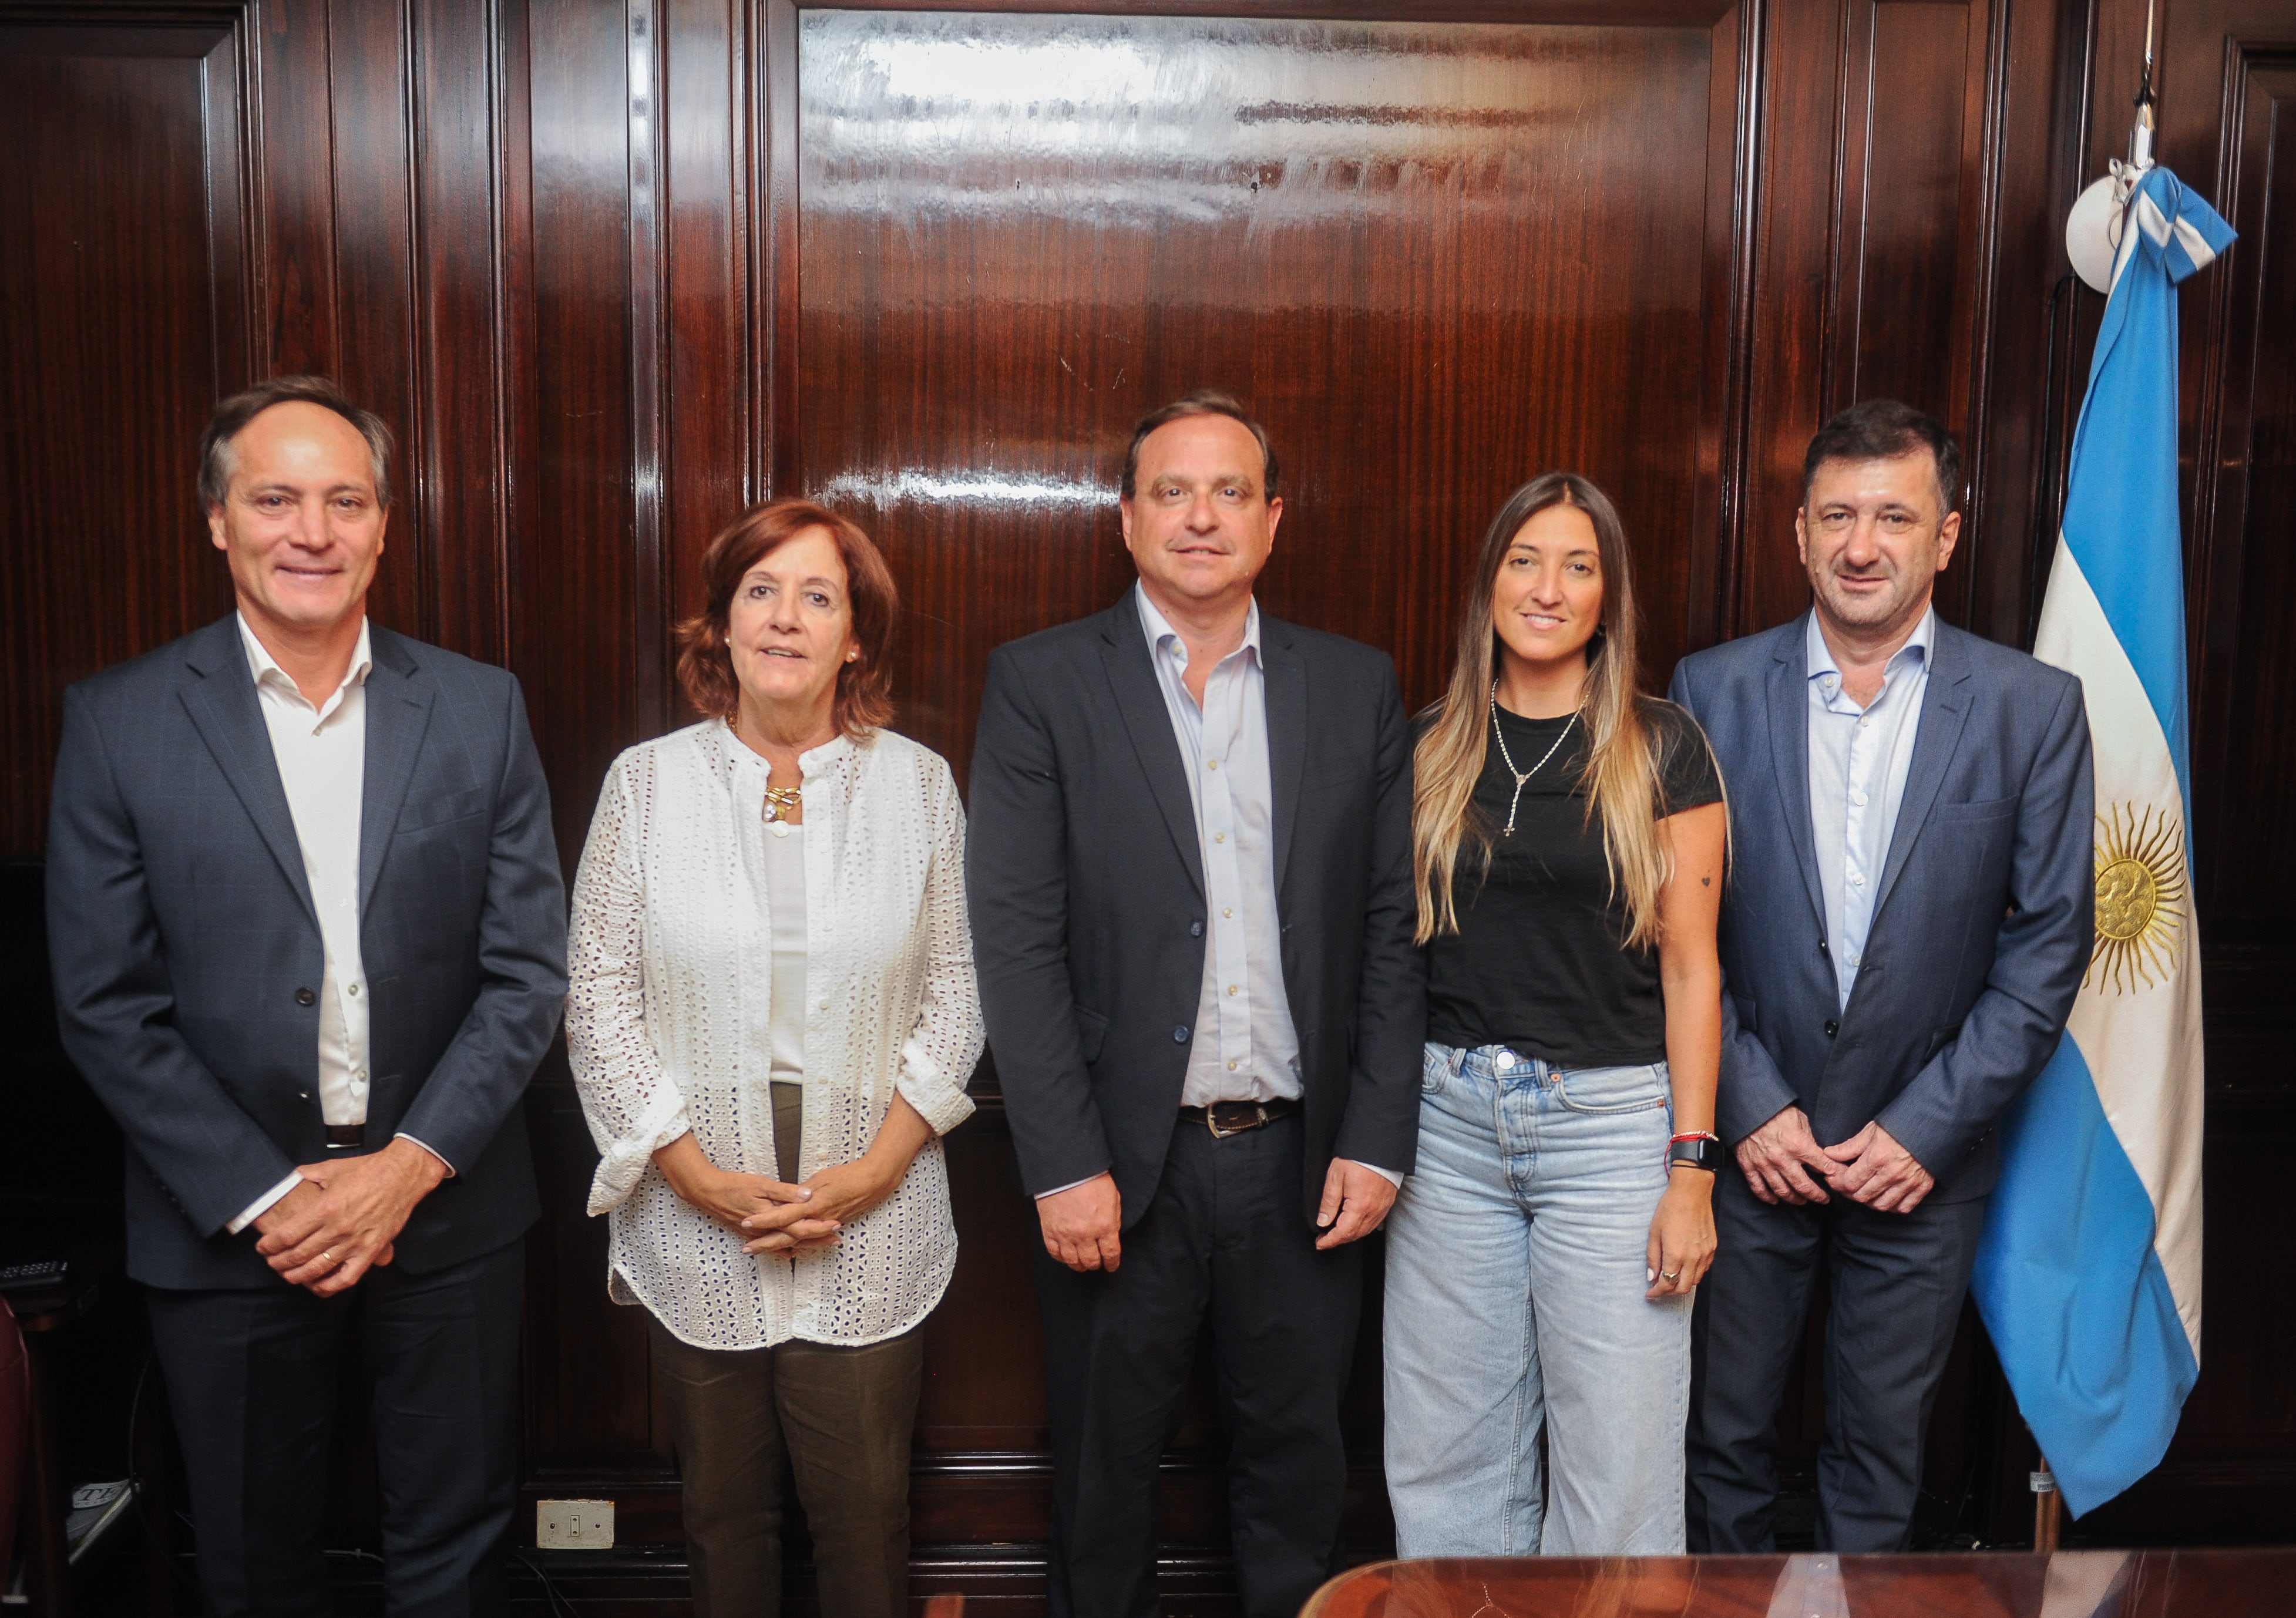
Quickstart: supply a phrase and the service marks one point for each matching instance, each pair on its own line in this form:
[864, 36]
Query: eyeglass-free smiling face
[300, 521]
[1547, 601]
[1874, 535]
[1199, 522]
[789, 628]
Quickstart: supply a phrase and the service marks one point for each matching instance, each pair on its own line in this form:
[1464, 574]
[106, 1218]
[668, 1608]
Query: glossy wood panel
[1436, 259]
[613, 268]
[2077, 1584]
[122, 188]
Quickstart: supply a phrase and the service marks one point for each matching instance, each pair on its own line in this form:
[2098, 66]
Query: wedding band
[327, 1254]
[1671, 1274]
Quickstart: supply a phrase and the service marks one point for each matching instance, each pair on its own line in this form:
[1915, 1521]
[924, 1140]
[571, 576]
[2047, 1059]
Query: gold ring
[1671, 1275]
[328, 1254]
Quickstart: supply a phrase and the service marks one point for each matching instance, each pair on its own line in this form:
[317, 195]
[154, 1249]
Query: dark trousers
[1896, 1283]
[1223, 1240]
[841, 1417]
[252, 1377]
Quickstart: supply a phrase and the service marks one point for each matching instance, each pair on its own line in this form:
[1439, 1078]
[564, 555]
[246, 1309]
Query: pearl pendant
[781, 829]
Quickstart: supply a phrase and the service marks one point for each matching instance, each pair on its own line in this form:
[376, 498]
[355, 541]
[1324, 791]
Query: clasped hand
[1871, 1167]
[343, 1218]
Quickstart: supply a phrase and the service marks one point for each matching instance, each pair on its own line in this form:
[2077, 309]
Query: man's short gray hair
[216, 462]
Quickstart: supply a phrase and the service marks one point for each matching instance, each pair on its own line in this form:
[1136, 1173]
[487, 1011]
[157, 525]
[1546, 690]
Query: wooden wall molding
[582, 254]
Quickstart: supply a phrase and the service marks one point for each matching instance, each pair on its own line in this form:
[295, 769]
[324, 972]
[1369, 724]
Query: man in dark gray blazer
[1191, 913]
[309, 942]
[1906, 922]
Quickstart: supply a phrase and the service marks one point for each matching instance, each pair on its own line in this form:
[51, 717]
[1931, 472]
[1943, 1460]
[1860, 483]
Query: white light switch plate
[574, 1525]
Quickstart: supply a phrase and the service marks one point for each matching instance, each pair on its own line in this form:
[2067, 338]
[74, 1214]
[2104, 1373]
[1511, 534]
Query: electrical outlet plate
[574, 1525]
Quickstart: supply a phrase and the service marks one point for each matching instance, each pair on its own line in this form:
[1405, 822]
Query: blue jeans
[1516, 1275]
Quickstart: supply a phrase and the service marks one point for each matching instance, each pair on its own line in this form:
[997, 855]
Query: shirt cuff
[255, 1210]
[1072, 1186]
[1389, 1175]
[434, 1151]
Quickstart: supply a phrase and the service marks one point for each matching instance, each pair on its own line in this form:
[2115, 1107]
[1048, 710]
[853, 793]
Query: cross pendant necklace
[1521, 777]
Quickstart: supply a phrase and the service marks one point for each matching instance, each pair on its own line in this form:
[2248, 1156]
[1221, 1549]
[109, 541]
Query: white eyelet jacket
[669, 1012]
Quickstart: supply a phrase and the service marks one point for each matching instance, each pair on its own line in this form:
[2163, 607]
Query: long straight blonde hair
[1622, 771]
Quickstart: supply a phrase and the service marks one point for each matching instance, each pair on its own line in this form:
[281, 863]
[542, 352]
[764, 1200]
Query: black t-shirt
[1536, 964]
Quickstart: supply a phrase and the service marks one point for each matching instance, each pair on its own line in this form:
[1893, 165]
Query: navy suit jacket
[182, 931]
[1981, 929]
[1085, 875]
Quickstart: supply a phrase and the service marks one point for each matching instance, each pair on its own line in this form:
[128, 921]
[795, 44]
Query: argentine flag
[2089, 1274]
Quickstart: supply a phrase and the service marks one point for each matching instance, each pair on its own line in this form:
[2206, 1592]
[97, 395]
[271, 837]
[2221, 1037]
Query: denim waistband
[1501, 1062]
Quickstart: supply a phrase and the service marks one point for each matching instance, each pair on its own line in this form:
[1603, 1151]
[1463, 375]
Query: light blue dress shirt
[1246, 1047]
[1858, 760]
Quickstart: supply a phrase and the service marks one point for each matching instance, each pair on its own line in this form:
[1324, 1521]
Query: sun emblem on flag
[2140, 897]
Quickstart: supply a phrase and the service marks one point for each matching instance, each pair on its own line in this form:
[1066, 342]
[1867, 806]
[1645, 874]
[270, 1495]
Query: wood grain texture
[1435, 260]
[110, 133]
[930, 260]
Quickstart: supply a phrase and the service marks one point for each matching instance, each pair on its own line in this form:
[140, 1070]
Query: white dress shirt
[1858, 760]
[321, 753]
[674, 996]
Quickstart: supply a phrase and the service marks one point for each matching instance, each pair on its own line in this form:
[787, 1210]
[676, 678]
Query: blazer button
[1195, 929]
[1179, 1036]
[304, 997]
[1832, 1027]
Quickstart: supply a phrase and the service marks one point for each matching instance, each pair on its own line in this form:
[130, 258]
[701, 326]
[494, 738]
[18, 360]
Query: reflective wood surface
[2072, 1584]
[612, 268]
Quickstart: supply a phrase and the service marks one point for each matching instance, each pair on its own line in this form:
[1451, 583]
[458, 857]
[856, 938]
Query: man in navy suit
[309, 942]
[1907, 920]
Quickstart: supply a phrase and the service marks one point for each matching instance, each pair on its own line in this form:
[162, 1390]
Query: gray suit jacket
[1982, 928]
[182, 931]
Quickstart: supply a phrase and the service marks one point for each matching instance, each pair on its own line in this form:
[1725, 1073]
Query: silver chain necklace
[1521, 777]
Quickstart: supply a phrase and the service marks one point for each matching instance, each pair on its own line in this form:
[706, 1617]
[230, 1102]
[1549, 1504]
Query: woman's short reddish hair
[865, 686]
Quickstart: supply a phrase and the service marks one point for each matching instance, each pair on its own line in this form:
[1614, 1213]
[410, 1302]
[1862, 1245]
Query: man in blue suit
[1907, 920]
[309, 942]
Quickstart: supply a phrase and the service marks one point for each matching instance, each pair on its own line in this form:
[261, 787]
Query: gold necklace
[780, 802]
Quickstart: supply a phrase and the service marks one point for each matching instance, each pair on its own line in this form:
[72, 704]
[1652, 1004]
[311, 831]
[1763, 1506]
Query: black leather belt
[1225, 1118]
[345, 1137]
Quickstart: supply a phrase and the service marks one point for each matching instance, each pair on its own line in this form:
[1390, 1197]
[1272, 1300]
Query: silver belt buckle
[1211, 1118]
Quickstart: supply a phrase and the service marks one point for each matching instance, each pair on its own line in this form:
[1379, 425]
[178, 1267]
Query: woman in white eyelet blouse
[780, 1272]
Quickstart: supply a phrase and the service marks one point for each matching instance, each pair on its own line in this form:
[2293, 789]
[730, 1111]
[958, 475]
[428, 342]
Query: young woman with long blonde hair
[1568, 841]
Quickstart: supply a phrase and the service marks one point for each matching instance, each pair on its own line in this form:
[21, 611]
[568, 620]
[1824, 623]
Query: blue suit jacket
[182, 929]
[1982, 928]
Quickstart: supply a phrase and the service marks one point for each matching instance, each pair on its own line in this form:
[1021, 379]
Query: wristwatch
[1699, 1151]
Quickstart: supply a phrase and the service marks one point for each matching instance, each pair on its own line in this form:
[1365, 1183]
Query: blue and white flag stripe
[2090, 1272]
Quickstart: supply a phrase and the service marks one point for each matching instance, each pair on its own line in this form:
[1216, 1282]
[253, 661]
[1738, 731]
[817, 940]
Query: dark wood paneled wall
[613, 268]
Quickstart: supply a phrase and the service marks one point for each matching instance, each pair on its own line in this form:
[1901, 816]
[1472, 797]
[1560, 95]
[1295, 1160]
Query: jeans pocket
[1434, 1067]
[1634, 1089]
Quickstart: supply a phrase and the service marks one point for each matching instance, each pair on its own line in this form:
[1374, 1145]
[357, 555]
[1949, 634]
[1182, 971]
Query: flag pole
[2048, 1509]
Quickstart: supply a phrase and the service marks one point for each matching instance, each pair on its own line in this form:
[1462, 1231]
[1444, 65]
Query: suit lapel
[1945, 711]
[397, 713]
[1788, 707]
[1140, 700]
[1286, 683]
[225, 709]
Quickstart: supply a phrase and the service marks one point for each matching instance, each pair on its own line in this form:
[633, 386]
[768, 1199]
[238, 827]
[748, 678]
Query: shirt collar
[1819, 658]
[1158, 629]
[264, 666]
